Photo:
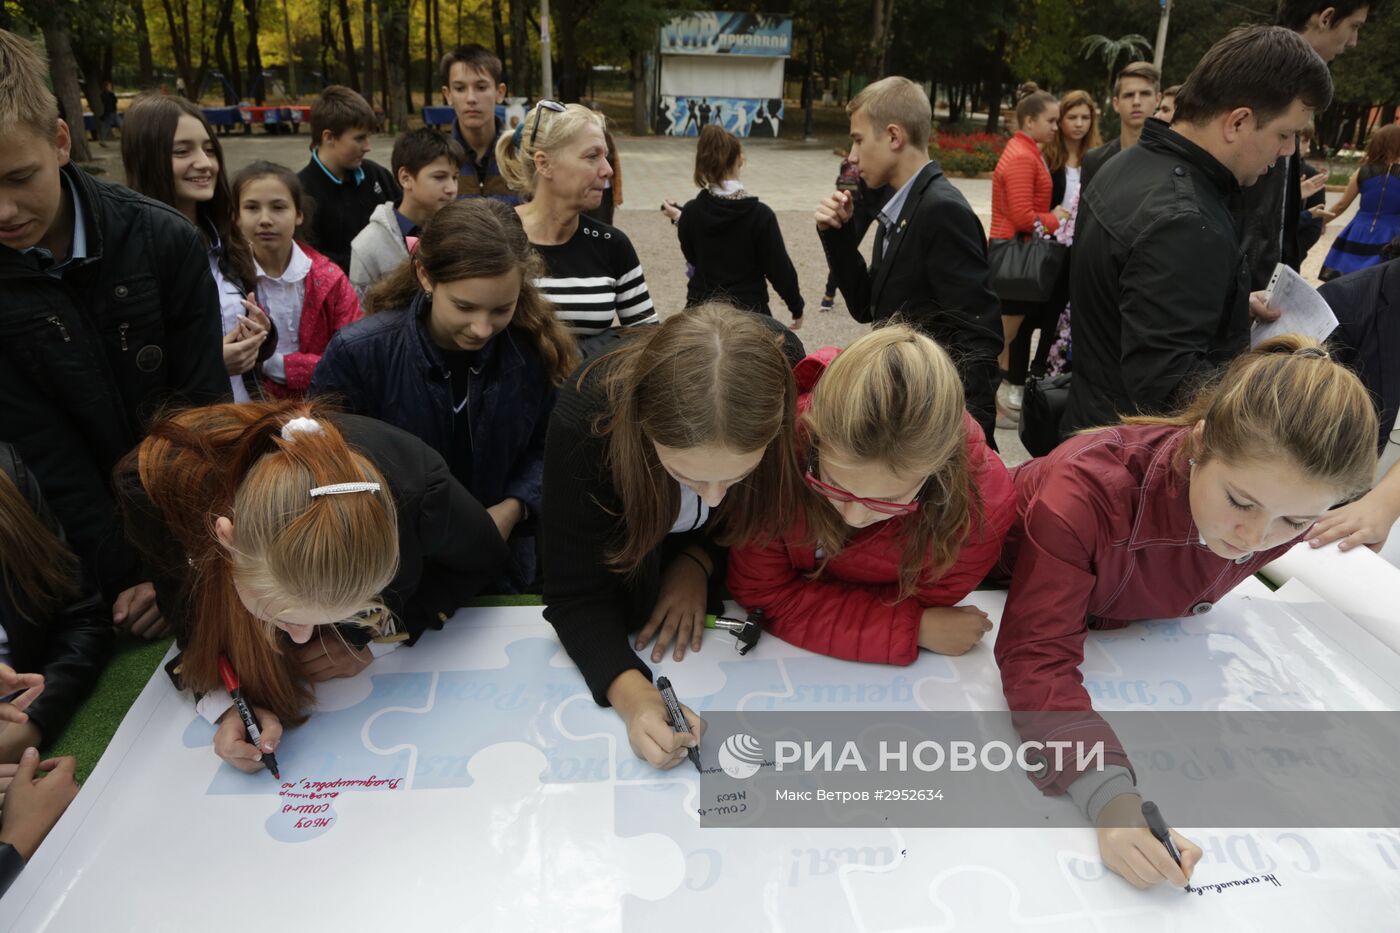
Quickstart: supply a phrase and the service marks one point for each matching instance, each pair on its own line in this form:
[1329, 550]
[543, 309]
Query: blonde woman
[287, 539]
[557, 159]
[904, 510]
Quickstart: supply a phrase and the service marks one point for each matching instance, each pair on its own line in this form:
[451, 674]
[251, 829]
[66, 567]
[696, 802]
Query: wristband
[699, 563]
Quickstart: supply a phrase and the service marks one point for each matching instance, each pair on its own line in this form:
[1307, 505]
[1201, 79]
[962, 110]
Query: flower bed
[967, 154]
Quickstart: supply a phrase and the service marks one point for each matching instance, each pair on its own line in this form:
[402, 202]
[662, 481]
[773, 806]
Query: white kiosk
[723, 68]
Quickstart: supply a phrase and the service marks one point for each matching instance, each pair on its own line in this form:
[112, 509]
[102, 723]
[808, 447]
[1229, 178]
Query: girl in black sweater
[731, 238]
[658, 455]
[52, 619]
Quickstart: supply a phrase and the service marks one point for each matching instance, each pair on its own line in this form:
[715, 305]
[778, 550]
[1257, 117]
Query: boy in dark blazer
[930, 259]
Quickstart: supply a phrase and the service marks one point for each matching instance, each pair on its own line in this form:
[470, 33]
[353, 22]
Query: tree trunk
[428, 63]
[887, 38]
[498, 32]
[566, 15]
[90, 66]
[177, 48]
[394, 36]
[438, 50]
[63, 69]
[352, 67]
[329, 55]
[994, 83]
[256, 88]
[641, 106]
[881, 13]
[235, 72]
[520, 64]
[221, 31]
[367, 7]
[390, 89]
[145, 63]
[221, 50]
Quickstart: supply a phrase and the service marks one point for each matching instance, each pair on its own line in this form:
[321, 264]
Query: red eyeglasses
[882, 506]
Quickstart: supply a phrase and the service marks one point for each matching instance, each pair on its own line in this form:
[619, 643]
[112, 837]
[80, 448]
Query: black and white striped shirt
[595, 280]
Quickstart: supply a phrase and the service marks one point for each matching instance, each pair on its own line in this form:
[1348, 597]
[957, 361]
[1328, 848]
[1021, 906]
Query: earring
[1192, 461]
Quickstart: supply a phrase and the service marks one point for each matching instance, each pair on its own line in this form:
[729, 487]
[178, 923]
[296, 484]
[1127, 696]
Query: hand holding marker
[678, 723]
[249, 722]
[1158, 827]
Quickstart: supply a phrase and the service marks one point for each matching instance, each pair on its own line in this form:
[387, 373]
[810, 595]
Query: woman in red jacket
[305, 294]
[1159, 518]
[1021, 196]
[905, 511]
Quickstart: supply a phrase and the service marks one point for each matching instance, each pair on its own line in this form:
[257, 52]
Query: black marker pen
[678, 723]
[1158, 826]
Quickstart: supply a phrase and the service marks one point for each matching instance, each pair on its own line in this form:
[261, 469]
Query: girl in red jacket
[1021, 194]
[307, 296]
[1159, 518]
[905, 510]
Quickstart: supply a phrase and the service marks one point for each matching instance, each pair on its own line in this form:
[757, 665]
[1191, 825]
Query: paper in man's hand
[1304, 310]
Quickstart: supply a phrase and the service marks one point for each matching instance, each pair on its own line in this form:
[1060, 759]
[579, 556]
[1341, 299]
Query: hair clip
[301, 426]
[1313, 352]
[336, 489]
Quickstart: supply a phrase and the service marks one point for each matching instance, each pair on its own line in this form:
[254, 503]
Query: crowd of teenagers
[297, 419]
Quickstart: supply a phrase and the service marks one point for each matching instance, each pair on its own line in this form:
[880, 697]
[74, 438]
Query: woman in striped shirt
[557, 160]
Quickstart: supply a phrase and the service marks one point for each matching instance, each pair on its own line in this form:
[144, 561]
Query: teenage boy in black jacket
[1158, 281]
[930, 260]
[344, 186]
[109, 313]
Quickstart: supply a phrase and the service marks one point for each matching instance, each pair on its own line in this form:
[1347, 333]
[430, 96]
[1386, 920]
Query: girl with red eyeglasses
[904, 513]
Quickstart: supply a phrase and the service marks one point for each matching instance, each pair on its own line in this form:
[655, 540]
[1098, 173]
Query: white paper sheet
[491, 793]
[1304, 310]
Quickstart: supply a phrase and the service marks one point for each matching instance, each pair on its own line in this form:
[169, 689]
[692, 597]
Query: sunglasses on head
[837, 494]
[540, 108]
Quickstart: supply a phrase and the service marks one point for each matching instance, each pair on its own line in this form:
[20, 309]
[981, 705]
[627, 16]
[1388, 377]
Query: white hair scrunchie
[301, 426]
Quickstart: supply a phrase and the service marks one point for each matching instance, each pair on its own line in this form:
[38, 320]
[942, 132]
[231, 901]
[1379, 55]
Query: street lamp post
[1161, 49]
[546, 65]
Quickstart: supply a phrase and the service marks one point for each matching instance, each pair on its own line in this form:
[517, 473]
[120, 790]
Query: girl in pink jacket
[306, 295]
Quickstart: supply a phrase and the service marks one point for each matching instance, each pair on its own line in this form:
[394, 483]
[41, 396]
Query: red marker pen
[245, 713]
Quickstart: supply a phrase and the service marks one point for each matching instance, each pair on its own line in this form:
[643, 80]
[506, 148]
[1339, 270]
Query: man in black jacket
[930, 259]
[1272, 208]
[110, 312]
[1158, 281]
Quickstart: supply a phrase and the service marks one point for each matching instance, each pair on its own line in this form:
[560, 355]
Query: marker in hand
[246, 714]
[1158, 827]
[678, 723]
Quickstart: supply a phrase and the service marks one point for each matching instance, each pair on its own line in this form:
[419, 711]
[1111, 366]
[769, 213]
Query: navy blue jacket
[1367, 338]
[387, 367]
